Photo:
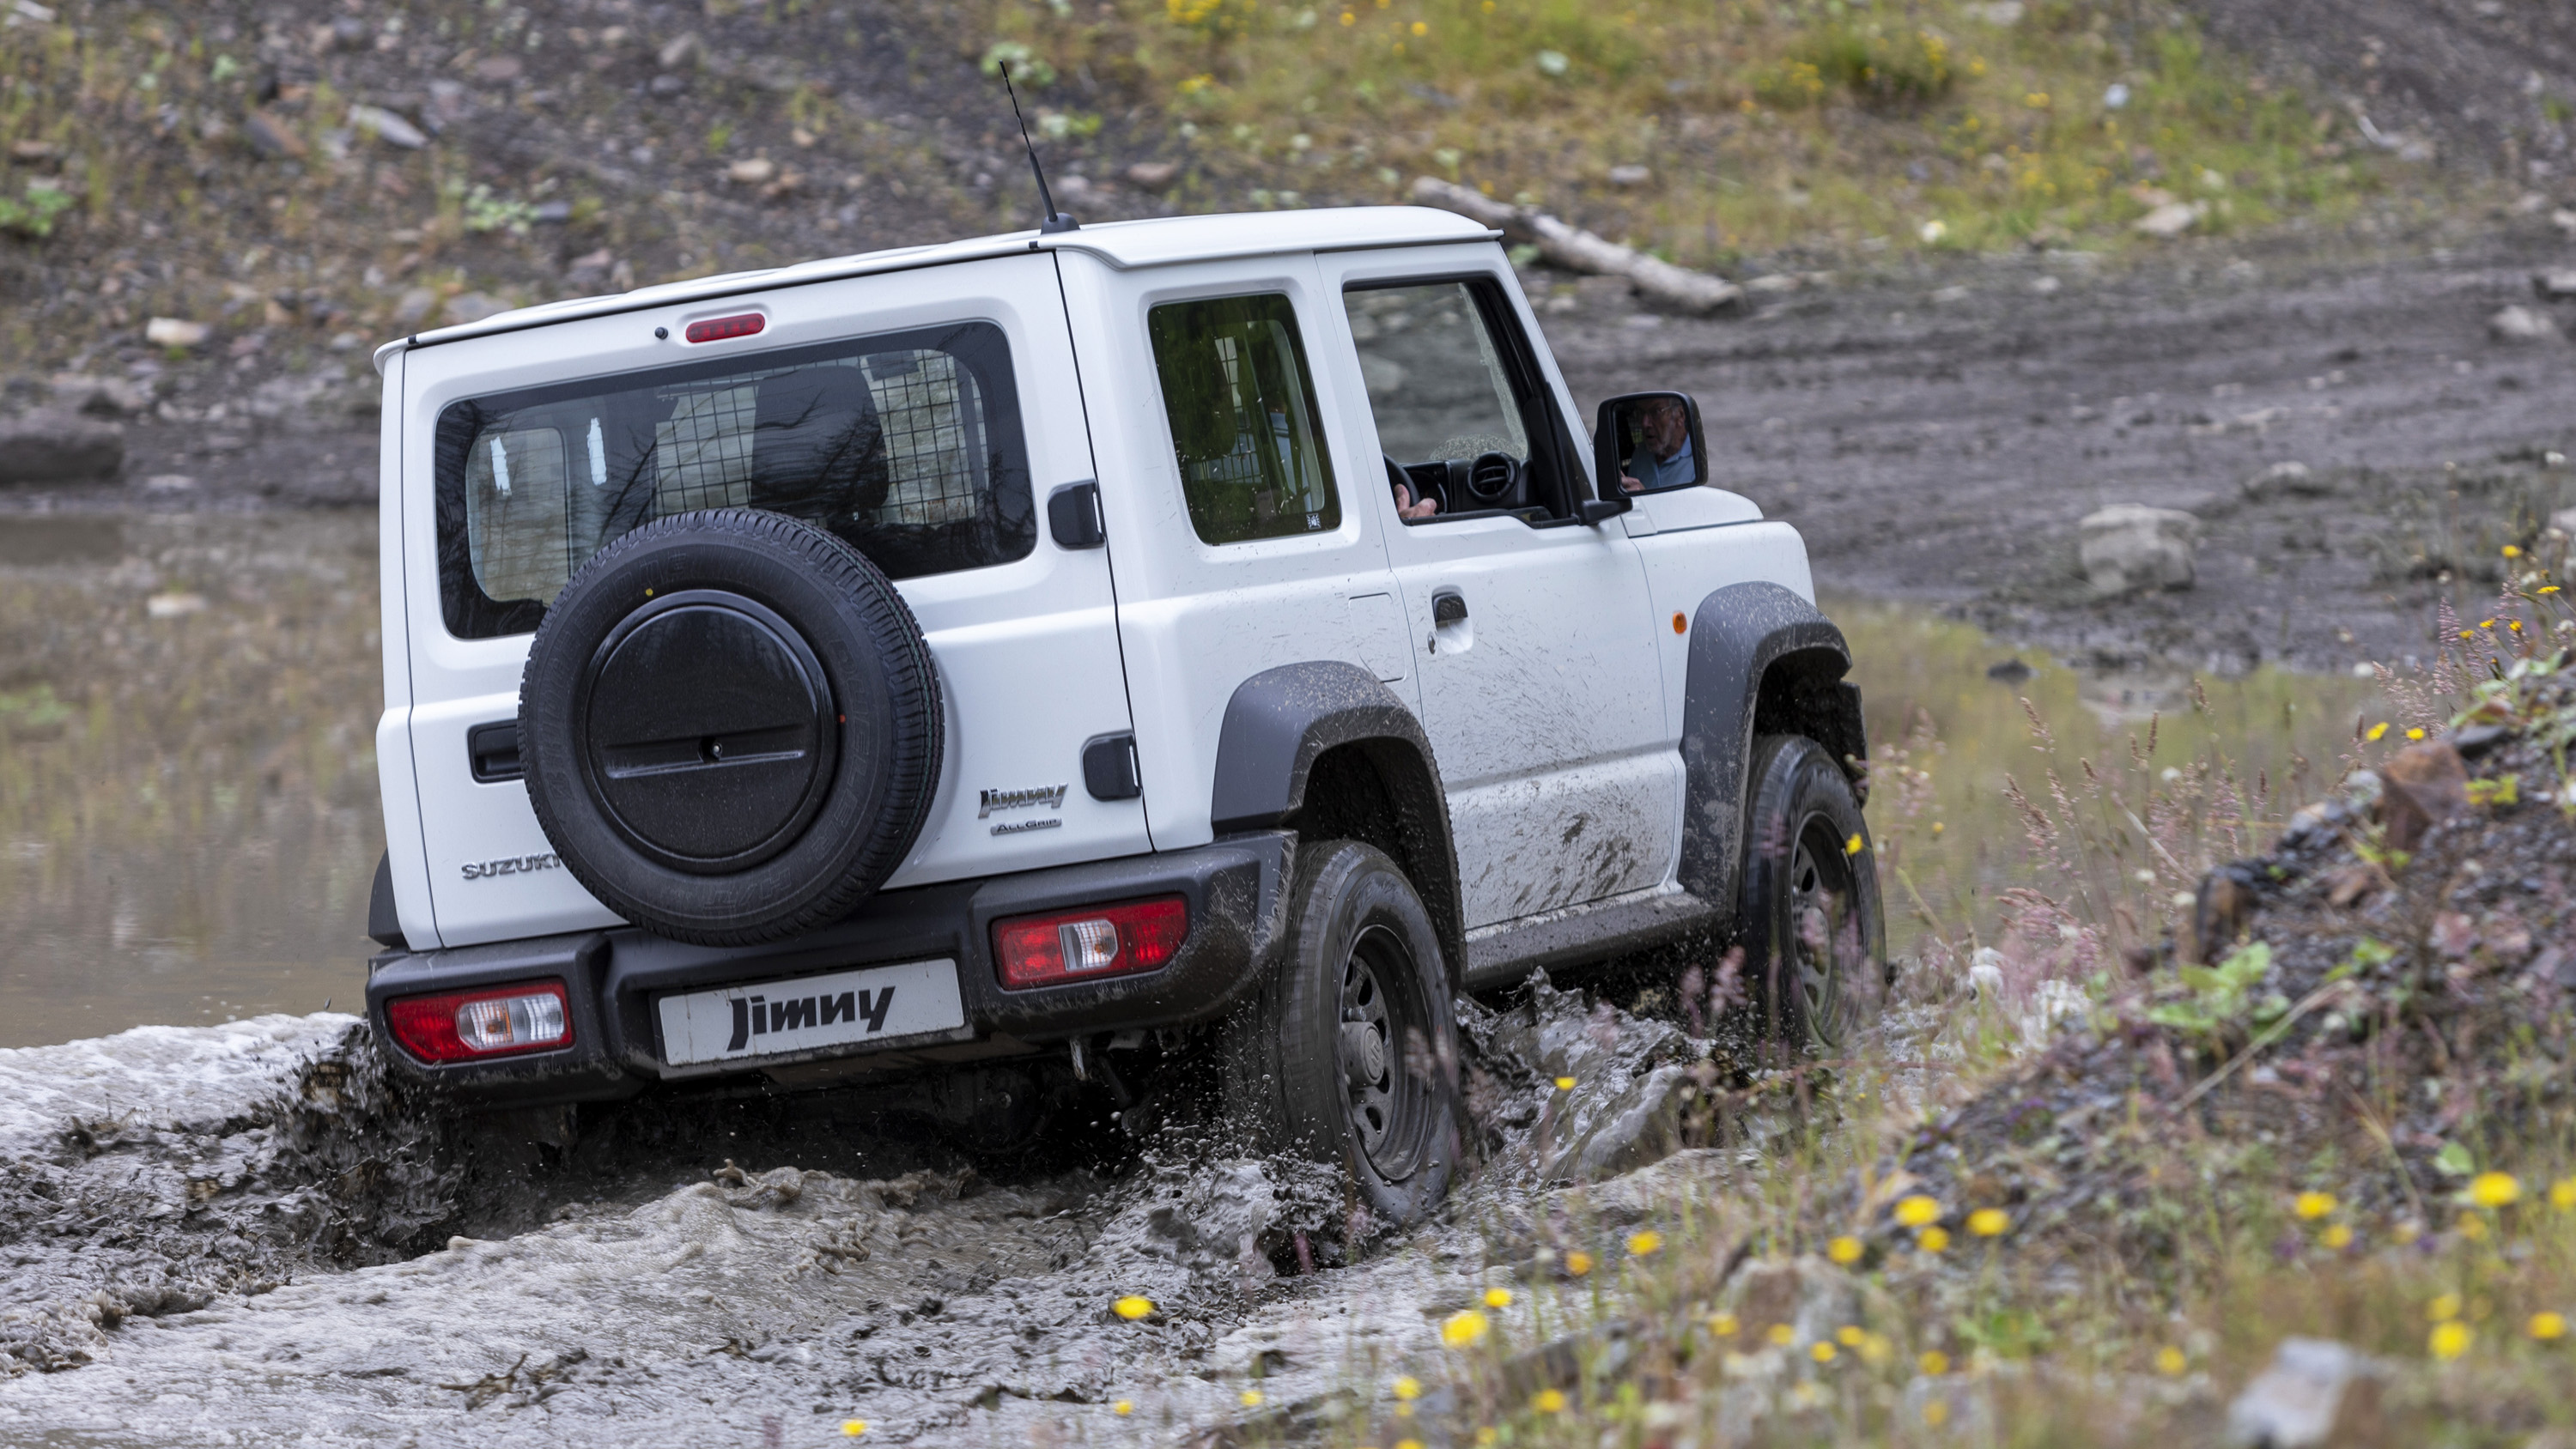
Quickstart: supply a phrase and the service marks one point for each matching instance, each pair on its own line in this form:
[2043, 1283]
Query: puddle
[188, 816]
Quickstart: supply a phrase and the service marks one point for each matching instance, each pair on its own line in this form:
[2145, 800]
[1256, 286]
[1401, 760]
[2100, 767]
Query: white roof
[1122, 244]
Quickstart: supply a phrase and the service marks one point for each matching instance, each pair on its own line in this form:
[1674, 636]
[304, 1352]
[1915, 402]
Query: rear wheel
[1814, 936]
[1348, 1054]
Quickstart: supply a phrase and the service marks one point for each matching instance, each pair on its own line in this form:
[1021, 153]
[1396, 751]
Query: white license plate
[846, 1008]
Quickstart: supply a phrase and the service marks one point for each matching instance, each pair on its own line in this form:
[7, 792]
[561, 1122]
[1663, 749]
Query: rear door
[528, 450]
[1535, 637]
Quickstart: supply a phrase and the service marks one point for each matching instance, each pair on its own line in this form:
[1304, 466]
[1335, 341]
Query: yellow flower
[1408, 1444]
[1349, 19]
[1938, 827]
[1853, 845]
[2337, 1236]
[2378, 730]
[1486, 1435]
[2548, 589]
[2444, 1308]
[1845, 1250]
[1934, 1362]
[2547, 1327]
[2036, 100]
[1408, 1388]
[1123, 1407]
[2170, 1361]
[1783, 1335]
[1498, 1298]
[1723, 1325]
[1821, 1351]
[1463, 1328]
[1548, 1401]
[2562, 1194]
[1932, 1240]
[2406, 1234]
[1132, 1307]
[1936, 1412]
[1420, 28]
[1251, 1398]
[1849, 1335]
[2314, 1205]
[1565, 1084]
[2494, 1190]
[2512, 552]
[1578, 1262]
[1989, 1222]
[1644, 1241]
[2416, 733]
[2449, 1340]
[854, 1427]
[1915, 1211]
[2471, 1227]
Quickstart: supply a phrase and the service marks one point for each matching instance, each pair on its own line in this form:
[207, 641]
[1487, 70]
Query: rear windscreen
[907, 445]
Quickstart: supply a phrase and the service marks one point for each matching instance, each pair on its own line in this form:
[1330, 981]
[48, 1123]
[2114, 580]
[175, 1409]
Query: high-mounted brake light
[718, 329]
[526, 1016]
[1095, 941]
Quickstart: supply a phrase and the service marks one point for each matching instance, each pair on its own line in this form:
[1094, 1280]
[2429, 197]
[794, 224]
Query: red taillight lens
[498, 1021]
[717, 329]
[1095, 941]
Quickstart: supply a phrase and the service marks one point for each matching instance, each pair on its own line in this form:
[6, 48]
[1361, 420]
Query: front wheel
[1348, 1055]
[1814, 936]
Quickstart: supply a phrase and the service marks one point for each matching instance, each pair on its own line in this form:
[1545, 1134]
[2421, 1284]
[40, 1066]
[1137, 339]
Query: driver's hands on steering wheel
[1406, 507]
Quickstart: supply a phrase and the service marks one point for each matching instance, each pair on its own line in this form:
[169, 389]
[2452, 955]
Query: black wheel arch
[1324, 749]
[1762, 661]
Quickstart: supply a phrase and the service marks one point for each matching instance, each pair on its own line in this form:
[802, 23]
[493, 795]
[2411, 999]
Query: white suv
[1072, 652]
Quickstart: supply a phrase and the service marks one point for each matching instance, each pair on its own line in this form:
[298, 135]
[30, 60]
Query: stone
[756, 171]
[2519, 324]
[2315, 1393]
[173, 332]
[1153, 175]
[274, 136]
[388, 127]
[105, 397]
[2128, 547]
[681, 50]
[467, 307]
[53, 446]
[498, 69]
[2172, 219]
[2554, 286]
[1998, 12]
[1813, 1297]
[2422, 786]
[2556, 552]
[2295, 480]
[414, 305]
[1630, 175]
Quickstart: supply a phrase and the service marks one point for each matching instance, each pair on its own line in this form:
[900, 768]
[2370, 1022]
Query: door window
[909, 446]
[1456, 402]
[1242, 410]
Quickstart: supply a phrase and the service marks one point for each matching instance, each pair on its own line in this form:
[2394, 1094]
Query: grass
[1759, 128]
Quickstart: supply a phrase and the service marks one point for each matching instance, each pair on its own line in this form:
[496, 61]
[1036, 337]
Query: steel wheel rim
[1378, 1017]
[1821, 903]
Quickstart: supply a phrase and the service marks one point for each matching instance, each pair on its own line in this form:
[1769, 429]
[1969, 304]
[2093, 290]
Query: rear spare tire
[731, 726]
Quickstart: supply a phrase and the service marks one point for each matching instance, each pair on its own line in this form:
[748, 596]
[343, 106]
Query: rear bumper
[615, 979]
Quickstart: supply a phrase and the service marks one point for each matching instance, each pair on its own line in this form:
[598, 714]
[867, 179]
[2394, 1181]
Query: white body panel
[1198, 619]
[1027, 652]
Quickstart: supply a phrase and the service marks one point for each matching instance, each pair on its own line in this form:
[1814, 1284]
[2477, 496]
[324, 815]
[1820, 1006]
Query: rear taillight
[721, 329]
[527, 1016]
[1095, 941]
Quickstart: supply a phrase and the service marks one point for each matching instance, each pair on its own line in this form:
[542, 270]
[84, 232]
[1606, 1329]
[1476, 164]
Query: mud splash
[244, 1235]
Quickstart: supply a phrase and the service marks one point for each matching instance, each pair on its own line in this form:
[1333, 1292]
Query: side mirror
[1647, 442]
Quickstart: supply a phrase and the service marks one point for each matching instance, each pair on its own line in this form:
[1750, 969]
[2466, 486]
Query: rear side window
[1242, 410]
[907, 445]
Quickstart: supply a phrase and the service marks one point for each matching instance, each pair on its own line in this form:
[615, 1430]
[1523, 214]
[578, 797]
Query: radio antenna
[1055, 220]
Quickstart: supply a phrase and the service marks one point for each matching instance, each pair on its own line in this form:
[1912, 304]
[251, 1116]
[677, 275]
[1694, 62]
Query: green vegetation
[1759, 127]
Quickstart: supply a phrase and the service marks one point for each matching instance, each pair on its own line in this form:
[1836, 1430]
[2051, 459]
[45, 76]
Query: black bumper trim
[1235, 888]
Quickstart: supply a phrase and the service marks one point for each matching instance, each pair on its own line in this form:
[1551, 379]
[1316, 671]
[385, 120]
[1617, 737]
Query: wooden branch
[1578, 250]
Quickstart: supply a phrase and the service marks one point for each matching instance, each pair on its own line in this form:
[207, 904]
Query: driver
[1663, 458]
[1407, 507]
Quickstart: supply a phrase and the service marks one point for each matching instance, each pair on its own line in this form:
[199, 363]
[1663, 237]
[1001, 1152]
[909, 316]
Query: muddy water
[188, 818]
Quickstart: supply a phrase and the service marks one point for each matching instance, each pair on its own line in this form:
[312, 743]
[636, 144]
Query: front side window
[1242, 409]
[1460, 411]
[908, 446]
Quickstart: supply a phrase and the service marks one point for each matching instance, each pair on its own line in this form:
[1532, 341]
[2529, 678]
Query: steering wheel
[1397, 477]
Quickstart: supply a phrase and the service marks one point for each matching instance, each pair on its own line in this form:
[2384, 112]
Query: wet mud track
[241, 1234]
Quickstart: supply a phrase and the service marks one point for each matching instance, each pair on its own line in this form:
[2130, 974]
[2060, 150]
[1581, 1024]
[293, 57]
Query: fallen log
[1578, 250]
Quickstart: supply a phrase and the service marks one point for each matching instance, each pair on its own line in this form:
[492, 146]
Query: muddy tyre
[1348, 1055]
[1814, 936]
[731, 727]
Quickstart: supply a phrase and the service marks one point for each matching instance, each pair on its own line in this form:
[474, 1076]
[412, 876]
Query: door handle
[1448, 606]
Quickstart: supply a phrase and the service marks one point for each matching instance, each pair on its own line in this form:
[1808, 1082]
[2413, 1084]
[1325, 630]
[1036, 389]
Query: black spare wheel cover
[731, 726]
